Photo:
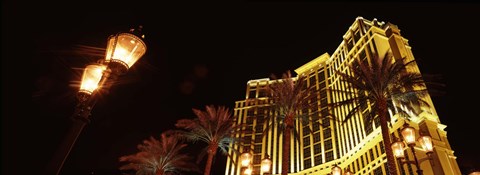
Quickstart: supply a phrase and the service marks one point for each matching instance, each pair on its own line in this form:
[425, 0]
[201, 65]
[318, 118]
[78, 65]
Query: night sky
[199, 54]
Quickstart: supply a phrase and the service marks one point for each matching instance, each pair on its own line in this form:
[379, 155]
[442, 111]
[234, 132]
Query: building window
[307, 163]
[306, 152]
[317, 148]
[378, 171]
[316, 126]
[258, 138]
[329, 156]
[350, 44]
[259, 129]
[257, 149]
[326, 122]
[257, 159]
[316, 137]
[306, 130]
[247, 139]
[328, 144]
[262, 93]
[361, 161]
[306, 141]
[327, 133]
[250, 120]
[372, 156]
[252, 93]
[318, 159]
[382, 148]
[377, 122]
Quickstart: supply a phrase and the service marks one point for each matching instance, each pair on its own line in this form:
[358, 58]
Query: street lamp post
[246, 163]
[336, 170]
[123, 50]
[408, 135]
[266, 165]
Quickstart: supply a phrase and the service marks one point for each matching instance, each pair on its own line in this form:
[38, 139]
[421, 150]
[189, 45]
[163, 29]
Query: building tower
[354, 144]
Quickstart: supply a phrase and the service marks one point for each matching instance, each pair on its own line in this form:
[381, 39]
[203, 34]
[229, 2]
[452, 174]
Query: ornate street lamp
[123, 50]
[336, 170]
[348, 172]
[246, 163]
[248, 170]
[266, 165]
[408, 135]
[245, 159]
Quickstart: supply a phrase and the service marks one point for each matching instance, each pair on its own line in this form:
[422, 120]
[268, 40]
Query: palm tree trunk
[286, 144]
[382, 113]
[159, 172]
[212, 150]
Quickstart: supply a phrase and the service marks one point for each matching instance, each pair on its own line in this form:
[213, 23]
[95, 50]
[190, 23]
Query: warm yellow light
[266, 164]
[248, 171]
[91, 77]
[125, 48]
[397, 148]
[408, 134]
[426, 142]
[348, 172]
[336, 170]
[245, 159]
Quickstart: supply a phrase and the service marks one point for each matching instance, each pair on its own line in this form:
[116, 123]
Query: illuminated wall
[352, 145]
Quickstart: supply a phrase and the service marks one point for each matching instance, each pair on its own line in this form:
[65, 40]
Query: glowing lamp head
[124, 49]
[91, 77]
[266, 165]
[249, 170]
[245, 159]
[348, 172]
[426, 142]
[397, 148]
[408, 134]
[336, 170]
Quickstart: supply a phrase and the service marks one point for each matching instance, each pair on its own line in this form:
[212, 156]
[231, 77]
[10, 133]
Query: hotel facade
[323, 143]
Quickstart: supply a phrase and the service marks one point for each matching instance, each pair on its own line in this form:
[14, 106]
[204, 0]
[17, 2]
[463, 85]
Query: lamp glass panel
[128, 49]
[408, 134]
[426, 142]
[91, 77]
[397, 148]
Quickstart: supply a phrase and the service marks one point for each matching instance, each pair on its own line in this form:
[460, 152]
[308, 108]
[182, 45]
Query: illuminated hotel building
[352, 145]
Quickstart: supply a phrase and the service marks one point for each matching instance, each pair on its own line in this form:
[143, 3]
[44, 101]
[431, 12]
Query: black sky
[200, 54]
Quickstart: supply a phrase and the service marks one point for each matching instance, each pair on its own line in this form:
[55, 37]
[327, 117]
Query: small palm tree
[289, 96]
[159, 157]
[383, 84]
[214, 126]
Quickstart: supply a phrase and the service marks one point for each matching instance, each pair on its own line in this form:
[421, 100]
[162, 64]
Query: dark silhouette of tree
[160, 157]
[214, 126]
[289, 97]
[384, 83]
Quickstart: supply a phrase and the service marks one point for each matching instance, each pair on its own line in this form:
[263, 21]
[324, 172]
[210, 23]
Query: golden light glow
[126, 48]
[336, 170]
[91, 77]
[397, 148]
[266, 165]
[245, 159]
[348, 172]
[248, 171]
[408, 134]
[426, 142]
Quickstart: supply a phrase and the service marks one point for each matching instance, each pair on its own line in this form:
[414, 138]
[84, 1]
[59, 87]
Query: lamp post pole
[408, 135]
[123, 50]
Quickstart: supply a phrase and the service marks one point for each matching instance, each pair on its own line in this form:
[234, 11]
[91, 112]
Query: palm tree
[214, 126]
[159, 157]
[385, 84]
[289, 96]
